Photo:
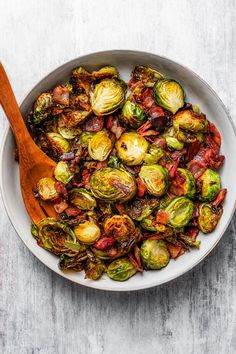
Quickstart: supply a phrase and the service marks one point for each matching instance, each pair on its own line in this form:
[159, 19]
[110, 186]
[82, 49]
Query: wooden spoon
[34, 164]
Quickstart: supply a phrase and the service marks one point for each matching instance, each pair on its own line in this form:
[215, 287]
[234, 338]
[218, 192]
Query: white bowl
[197, 92]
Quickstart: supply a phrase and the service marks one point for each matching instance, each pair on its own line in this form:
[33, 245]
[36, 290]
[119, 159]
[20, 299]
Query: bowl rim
[93, 285]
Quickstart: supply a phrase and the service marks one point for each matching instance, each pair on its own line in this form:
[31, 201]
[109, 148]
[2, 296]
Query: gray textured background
[40, 311]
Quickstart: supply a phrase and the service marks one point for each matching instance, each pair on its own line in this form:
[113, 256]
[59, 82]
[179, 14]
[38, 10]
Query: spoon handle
[11, 109]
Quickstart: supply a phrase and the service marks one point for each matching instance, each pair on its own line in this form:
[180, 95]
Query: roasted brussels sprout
[141, 208]
[174, 143]
[111, 184]
[169, 95]
[82, 199]
[119, 227]
[60, 144]
[121, 269]
[149, 223]
[208, 217]
[188, 137]
[190, 121]
[62, 172]
[74, 263]
[132, 148]
[44, 101]
[100, 146]
[154, 254]
[69, 133]
[179, 212]
[155, 179]
[107, 97]
[72, 118]
[46, 188]
[107, 72]
[94, 270]
[132, 115]
[208, 185]
[147, 75]
[85, 137]
[81, 73]
[87, 232]
[155, 153]
[183, 183]
[58, 238]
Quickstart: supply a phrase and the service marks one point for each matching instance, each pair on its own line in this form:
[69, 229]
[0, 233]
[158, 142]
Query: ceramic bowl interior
[197, 92]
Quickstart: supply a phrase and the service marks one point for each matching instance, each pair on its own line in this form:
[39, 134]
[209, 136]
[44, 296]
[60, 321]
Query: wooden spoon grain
[33, 163]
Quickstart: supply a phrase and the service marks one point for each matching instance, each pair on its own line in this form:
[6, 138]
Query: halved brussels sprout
[132, 148]
[141, 208]
[155, 153]
[100, 146]
[121, 269]
[107, 72]
[73, 118]
[154, 254]
[46, 188]
[107, 97]
[208, 185]
[82, 199]
[174, 143]
[111, 184]
[81, 73]
[209, 217]
[58, 142]
[87, 232]
[179, 211]
[183, 183]
[147, 75]
[43, 102]
[58, 238]
[132, 115]
[75, 263]
[119, 227]
[190, 121]
[85, 137]
[149, 223]
[169, 95]
[188, 137]
[155, 179]
[62, 172]
[69, 133]
[94, 270]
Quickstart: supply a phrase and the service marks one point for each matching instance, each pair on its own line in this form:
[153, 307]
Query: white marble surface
[39, 311]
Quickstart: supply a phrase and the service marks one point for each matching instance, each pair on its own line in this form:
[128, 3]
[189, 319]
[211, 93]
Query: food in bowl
[136, 176]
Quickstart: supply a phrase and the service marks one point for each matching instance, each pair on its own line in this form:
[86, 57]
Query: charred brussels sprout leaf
[69, 133]
[208, 185]
[208, 217]
[149, 223]
[58, 238]
[155, 153]
[155, 179]
[154, 254]
[82, 199]
[183, 183]
[132, 115]
[148, 75]
[87, 232]
[190, 121]
[34, 230]
[62, 172]
[113, 161]
[106, 72]
[121, 269]
[132, 148]
[73, 118]
[74, 263]
[107, 97]
[100, 146]
[94, 270]
[44, 101]
[141, 208]
[58, 143]
[180, 212]
[111, 184]
[46, 188]
[120, 227]
[169, 95]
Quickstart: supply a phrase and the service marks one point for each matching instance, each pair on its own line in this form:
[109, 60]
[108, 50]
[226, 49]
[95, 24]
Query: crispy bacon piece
[177, 184]
[113, 125]
[61, 95]
[137, 255]
[104, 243]
[175, 251]
[100, 165]
[120, 208]
[192, 150]
[192, 232]
[162, 217]
[61, 189]
[72, 211]
[135, 263]
[173, 169]
[141, 187]
[147, 98]
[220, 197]
[197, 168]
[60, 207]
[160, 142]
[93, 124]
[86, 177]
[144, 127]
[149, 133]
[214, 133]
